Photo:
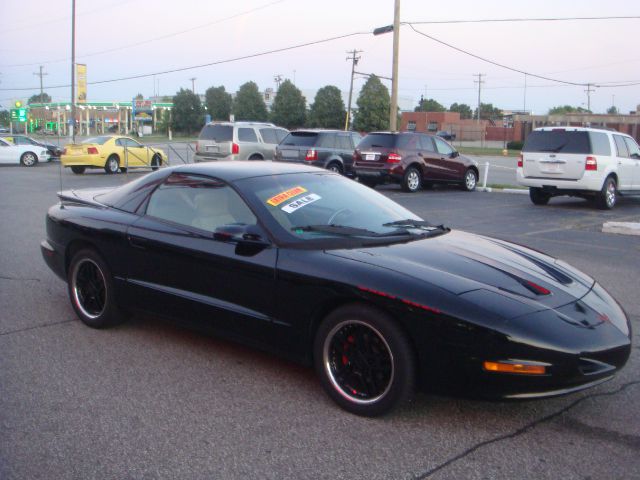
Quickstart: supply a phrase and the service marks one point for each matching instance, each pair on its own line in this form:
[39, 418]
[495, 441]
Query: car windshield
[97, 140]
[314, 208]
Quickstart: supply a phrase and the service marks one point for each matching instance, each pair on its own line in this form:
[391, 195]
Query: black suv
[330, 149]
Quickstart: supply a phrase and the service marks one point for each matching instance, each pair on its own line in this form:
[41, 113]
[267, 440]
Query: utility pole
[193, 84]
[41, 88]
[393, 114]
[73, 71]
[524, 105]
[588, 91]
[278, 79]
[354, 61]
[479, 82]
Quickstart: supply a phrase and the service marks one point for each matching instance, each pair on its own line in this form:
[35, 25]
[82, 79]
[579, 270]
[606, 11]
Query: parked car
[54, 150]
[26, 155]
[314, 266]
[412, 160]
[4, 130]
[238, 141]
[111, 152]
[447, 135]
[330, 149]
[583, 162]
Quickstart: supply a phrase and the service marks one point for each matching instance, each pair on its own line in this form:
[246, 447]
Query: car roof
[238, 170]
[320, 130]
[569, 128]
[243, 123]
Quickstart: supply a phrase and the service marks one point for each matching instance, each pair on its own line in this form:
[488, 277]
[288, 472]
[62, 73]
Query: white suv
[583, 162]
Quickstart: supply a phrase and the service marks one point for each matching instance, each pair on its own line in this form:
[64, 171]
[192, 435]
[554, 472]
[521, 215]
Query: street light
[395, 28]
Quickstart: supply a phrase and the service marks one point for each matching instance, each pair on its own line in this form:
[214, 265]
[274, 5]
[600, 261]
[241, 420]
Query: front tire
[538, 196]
[112, 165]
[412, 180]
[29, 159]
[364, 360]
[78, 170]
[470, 180]
[91, 291]
[608, 196]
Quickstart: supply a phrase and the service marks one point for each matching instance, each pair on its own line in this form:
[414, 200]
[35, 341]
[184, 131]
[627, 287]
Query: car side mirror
[455, 154]
[249, 239]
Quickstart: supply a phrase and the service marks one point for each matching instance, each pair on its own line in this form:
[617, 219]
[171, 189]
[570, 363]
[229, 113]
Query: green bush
[514, 145]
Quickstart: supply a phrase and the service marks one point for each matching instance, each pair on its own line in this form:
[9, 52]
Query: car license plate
[552, 168]
[370, 156]
[290, 153]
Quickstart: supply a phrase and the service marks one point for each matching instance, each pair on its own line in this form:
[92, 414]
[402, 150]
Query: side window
[426, 143]
[199, 202]
[600, 143]
[443, 147]
[247, 135]
[269, 135]
[327, 140]
[356, 137]
[120, 142]
[634, 150]
[409, 142]
[344, 142]
[621, 146]
[131, 143]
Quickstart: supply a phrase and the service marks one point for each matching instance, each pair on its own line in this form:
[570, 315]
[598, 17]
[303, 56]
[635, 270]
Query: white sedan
[27, 155]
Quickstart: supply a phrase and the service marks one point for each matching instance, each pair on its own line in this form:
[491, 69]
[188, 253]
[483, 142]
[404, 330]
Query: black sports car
[316, 267]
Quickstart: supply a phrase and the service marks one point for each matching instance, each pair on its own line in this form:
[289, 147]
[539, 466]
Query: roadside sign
[18, 114]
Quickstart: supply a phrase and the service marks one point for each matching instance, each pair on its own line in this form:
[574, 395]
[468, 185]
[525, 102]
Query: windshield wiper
[421, 224]
[347, 231]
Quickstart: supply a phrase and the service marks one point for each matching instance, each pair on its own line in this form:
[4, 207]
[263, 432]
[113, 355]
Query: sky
[126, 38]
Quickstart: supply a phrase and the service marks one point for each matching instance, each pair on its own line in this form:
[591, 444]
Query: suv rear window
[217, 133]
[558, 141]
[380, 140]
[300, 139]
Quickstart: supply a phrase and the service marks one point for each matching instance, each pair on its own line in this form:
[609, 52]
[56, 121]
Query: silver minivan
[238, 141]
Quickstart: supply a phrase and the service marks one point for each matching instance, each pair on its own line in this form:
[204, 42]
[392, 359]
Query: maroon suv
[412, 160]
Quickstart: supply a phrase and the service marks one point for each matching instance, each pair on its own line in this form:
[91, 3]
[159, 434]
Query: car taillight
[235, 148]
[394, 158]
[591, 164]
[197, 147]
[92, 151]
[311, 156]
[520, 159]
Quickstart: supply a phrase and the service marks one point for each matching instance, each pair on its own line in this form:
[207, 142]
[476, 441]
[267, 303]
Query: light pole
[395, 28]
[73, 73]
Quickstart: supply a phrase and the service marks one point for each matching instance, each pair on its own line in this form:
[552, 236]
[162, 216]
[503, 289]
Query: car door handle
[138, 242]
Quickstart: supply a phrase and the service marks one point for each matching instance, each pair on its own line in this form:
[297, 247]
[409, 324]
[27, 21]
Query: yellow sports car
[111, 152]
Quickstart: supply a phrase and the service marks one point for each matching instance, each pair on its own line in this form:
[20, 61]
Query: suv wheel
[412, 180]
[335, 167]
[539, 196]
[607, 197]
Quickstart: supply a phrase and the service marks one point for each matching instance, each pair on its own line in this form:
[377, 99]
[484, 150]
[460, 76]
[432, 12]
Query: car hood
[461, 262]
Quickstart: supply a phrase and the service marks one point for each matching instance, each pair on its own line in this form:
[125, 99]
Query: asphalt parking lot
[149, 399]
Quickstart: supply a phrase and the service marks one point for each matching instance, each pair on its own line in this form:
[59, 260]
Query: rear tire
[335, 167]
[112, 165]
[255, 157]
[78, 170]
[91, 290]
[538, 196]
[369, 182]
[364, 360]
[412, 180]
[608, 196]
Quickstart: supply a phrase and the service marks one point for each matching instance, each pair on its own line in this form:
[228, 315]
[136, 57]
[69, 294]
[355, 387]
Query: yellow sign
[81, 75]
[286, 195]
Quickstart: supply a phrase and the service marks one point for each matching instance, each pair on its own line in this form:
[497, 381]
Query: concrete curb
[503, 190]
[621, 228]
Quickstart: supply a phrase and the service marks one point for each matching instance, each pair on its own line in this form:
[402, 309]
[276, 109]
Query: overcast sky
[123, 38]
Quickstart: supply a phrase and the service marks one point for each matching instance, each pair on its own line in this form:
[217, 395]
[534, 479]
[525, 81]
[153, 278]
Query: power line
[193, 67]
[498, 20]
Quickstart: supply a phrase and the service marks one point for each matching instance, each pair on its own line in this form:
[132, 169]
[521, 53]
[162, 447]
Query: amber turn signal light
[513, 367]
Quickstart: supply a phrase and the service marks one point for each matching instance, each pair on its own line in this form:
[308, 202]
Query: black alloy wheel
[539, 196]
[364, 360]
[91, 290]
[78, 170]
[29, 159]
[112, 165]
[412, 180]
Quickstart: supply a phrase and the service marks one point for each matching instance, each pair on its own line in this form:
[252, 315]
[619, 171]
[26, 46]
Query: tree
[429, 105]
[218, 103]
[5, 117]
[327, 110]
[462, 108]
[488, 111]
[562, 109]
[249, 104]
[289, 107]
[38, 99]
[187, 114]
[612, 110]
[139, 97]
[374, 105]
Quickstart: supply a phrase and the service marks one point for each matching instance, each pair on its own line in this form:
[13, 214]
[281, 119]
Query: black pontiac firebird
[324, 270]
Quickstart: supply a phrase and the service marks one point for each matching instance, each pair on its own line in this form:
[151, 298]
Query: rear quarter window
[247, 135]
[623, 151]
[269, 135]
[600, 143]
[558, 141]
